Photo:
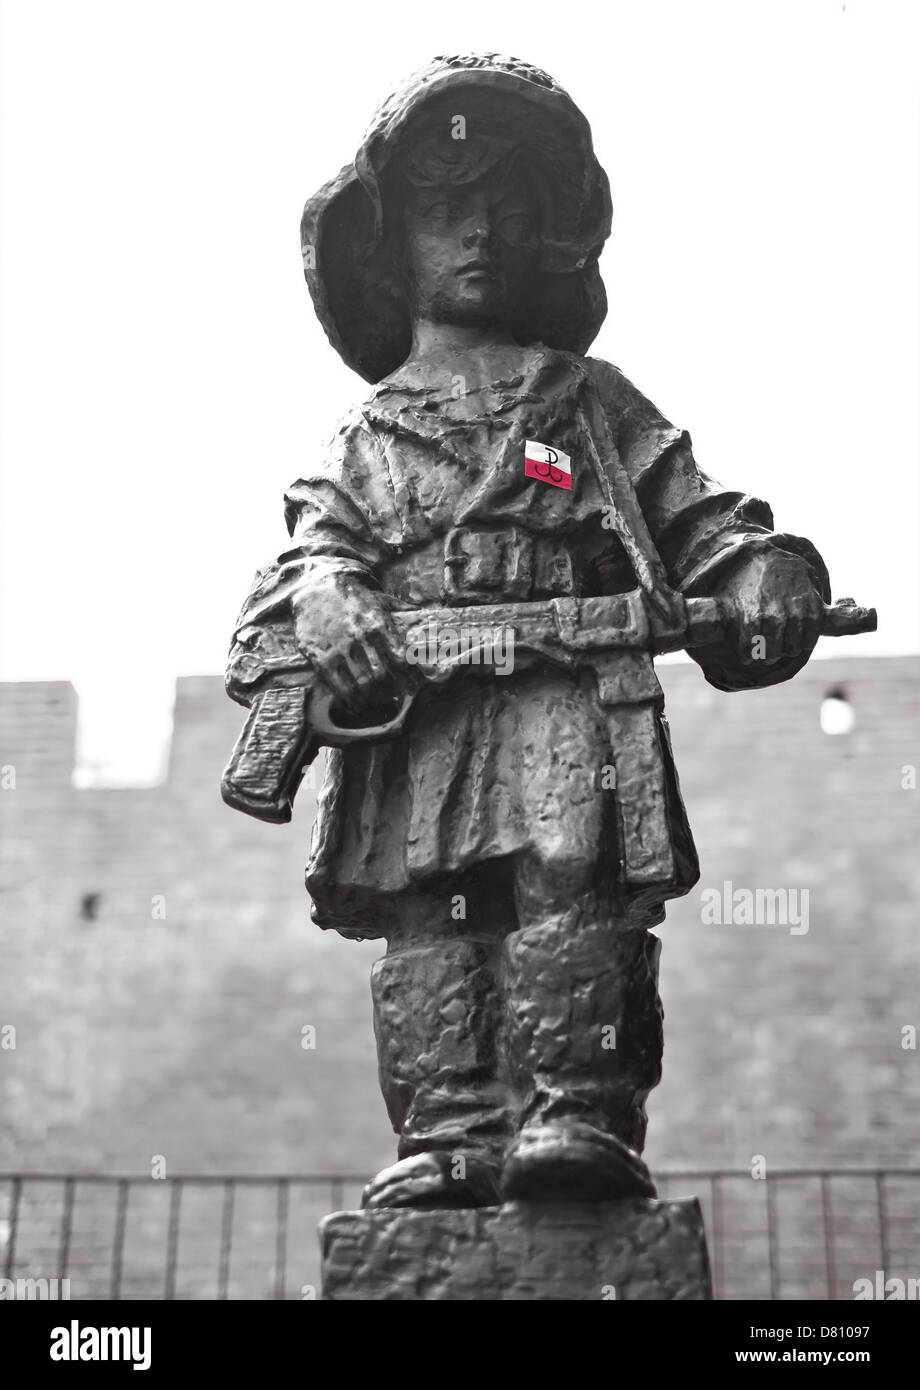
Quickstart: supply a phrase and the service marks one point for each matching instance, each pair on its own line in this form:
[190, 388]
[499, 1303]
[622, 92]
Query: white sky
[163, 377]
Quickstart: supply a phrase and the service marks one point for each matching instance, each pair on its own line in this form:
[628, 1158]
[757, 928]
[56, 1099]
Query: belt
[482, 565]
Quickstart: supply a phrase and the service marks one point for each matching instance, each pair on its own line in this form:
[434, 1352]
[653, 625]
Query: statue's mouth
[478, 270]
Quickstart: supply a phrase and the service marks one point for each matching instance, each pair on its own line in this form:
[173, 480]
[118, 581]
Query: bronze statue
[480, 572]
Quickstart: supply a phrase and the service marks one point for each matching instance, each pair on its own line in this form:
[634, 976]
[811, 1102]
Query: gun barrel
[846, 618]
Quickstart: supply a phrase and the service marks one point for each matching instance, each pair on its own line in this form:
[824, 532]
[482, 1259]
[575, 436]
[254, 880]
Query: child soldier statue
[513, 830]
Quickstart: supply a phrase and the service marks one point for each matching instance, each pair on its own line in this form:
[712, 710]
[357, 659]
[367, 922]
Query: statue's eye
[445, 212]
[515, 228]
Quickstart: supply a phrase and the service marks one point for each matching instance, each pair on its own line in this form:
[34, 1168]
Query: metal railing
[839, 1225]
[796, 1233]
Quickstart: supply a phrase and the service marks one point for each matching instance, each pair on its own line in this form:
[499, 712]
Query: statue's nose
[480, 235]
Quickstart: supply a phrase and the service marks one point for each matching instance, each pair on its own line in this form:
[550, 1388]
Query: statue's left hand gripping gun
[291, 712]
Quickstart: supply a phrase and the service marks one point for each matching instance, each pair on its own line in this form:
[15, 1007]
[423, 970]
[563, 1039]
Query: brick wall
[781, 1044]
[138, 1035]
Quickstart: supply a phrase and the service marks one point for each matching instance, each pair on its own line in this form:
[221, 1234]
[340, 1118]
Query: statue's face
[471, 249]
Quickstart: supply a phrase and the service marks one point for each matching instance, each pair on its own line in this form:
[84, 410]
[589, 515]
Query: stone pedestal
[627, 1250]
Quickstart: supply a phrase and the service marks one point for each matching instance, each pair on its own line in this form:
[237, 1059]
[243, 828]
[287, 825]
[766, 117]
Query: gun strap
[616, 485]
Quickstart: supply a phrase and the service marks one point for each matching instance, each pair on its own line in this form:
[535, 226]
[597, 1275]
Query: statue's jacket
[422, 496]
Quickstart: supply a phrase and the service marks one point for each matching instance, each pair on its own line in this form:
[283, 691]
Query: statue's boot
[584, 1041]
[435, 1015]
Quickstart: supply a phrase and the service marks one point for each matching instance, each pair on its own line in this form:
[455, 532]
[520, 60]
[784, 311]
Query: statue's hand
[774, 611]
[346, 633]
